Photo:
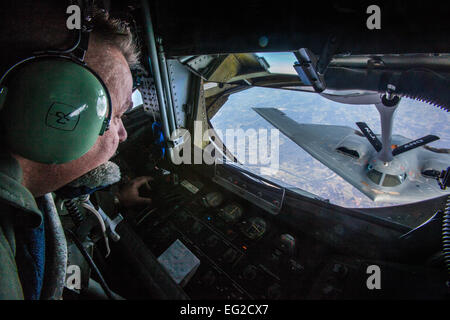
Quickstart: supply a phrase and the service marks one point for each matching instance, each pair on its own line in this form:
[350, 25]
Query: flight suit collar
[15, 194]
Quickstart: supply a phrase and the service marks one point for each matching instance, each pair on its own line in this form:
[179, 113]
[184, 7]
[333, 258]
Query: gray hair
[117, 33]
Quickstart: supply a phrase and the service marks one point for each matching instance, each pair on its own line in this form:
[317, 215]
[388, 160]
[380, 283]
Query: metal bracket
[328, 51]
[149, 97]
[180, 78]
[306, 68]
[176, 142]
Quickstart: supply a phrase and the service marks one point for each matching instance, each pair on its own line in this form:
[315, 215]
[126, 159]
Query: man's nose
[122, 132]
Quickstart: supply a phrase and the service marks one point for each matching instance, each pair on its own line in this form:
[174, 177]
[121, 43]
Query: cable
[91, 263]
[67, 51]
[102, 224]
[74, 212]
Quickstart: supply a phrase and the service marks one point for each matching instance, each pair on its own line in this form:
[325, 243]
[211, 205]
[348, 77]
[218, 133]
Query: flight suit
[19, 217]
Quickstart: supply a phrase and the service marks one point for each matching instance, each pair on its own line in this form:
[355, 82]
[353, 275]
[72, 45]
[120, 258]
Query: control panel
[245, 252]
[242, 253]
[259, 191]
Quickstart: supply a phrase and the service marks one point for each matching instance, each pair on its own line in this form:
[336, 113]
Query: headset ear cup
[55, 109]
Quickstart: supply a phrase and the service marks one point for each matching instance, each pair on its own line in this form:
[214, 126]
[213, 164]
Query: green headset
[52, 106]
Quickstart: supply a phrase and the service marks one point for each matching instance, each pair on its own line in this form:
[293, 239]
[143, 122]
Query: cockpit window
[280, 62]
[137, 98]
[393, 180]
[375, 176]
[349, 152]
[241, 114]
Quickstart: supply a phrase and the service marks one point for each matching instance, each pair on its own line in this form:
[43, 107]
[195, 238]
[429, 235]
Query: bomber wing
[347, 152]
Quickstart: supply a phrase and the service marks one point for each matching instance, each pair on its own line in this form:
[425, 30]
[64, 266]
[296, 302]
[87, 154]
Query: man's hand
[129, 193]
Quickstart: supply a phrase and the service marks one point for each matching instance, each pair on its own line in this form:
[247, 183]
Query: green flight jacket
[17, 208]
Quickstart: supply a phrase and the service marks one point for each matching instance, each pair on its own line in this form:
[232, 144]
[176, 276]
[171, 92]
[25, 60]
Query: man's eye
[121, 117]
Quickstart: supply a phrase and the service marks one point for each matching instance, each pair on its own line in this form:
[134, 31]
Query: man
[28, 27]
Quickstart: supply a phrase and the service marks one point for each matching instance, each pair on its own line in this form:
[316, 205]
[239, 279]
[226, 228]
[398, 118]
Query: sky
[280, 62]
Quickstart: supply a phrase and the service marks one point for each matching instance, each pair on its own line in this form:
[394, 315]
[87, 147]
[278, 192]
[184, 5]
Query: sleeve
[10, 287]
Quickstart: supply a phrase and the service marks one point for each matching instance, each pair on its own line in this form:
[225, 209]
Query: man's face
[109, 63]
[116, 74]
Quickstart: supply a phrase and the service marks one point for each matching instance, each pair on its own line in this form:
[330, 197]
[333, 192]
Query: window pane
[375, 176]
[391, 181]
[137, 98]
[298, 168]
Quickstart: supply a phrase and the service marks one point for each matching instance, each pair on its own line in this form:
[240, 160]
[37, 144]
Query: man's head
[110, 53]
